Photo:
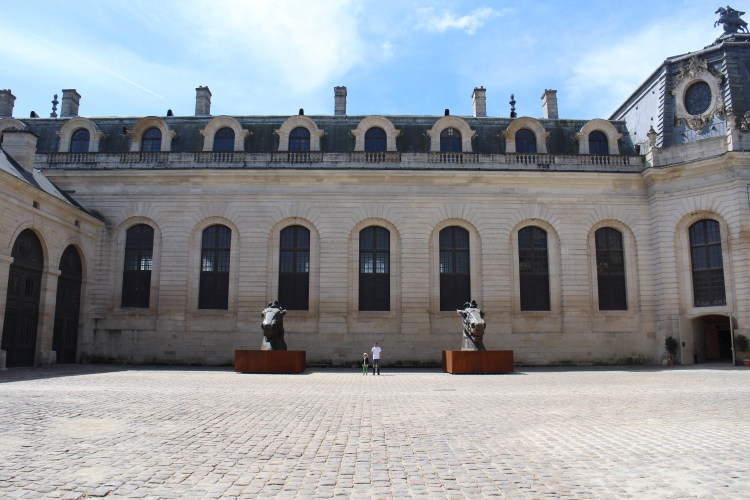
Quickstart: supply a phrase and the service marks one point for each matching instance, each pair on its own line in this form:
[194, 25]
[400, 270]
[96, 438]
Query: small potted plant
[671, 346]
[742, 344]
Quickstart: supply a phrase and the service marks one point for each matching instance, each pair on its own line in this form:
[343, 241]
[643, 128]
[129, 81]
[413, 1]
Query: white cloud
[387, 50]
[431, 21]
[613, 71]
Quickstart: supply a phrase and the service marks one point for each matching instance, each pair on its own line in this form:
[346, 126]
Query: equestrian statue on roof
[731, 20]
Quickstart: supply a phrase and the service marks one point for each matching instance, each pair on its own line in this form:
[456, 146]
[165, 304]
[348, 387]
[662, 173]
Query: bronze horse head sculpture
[273, 327]
[473, 323]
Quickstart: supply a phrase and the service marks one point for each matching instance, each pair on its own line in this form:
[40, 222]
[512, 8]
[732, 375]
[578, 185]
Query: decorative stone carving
[745, 124]
[473, 323]
[694, 71]
[273, 327]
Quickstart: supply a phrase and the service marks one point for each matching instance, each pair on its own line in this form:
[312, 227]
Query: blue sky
[395, 57]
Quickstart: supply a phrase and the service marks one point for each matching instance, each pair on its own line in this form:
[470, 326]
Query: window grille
[224, 140]
[79, 143]
[525, 141]
[294, 268]
[375, 140]
[374, 269]
[455, 279]
[708, 264]
[299, 139]
[533, 267]
[136, 278]
[151, 140]
[450, 141]
[214, 283]
[598, 143]
[610, 270]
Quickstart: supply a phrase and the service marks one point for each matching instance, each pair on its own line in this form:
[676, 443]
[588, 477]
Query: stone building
[160, 239]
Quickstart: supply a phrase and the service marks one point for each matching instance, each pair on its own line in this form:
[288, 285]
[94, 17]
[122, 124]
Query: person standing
[365, 364]
[376, 358]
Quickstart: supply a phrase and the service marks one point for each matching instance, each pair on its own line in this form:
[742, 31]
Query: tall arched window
[214, 285]
[151, 140]
[450, 141]
[224, 139]
[375, 139]
[67, 307]
[299, 139]
[525, 141]
[294, 268]
[708, 264]
[533, 268]
[598, 143]
[610, 270]
[79, 143]
[455, 280]
[375, 269]
[136, 278]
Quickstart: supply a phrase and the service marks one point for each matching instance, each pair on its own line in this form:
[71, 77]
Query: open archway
[68, 306]
[712, 339]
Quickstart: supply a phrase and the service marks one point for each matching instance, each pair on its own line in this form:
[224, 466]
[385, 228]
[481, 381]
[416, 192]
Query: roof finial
[55, 102]
[512, 106]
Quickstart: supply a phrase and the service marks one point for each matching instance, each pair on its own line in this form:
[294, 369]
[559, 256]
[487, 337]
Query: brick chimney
[21, 145]
[7, 100]
[480, 101]
[70, 102]
[202, 101]
[339, 96]
[549, 104]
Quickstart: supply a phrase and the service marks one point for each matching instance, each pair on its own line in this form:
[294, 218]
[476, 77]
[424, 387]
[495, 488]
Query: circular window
[698, 98]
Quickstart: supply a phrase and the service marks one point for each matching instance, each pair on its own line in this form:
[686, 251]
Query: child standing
[365, 364]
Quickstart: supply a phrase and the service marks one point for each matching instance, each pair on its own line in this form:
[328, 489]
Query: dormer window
[79, 143]
[224, 140]
[375, 139]
[598, 143]
[151, 140]
[698, 98]
[525, 141]
[450, 141]
[299, 139]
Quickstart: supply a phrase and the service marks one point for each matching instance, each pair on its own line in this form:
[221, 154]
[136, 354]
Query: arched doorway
[68, 306]
[22, 303]
[712, 339]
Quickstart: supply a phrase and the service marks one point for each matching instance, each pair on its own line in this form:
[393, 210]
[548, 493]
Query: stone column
[47, 303]
[5, 262]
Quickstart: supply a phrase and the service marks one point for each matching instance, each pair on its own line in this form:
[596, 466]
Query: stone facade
[414, 189]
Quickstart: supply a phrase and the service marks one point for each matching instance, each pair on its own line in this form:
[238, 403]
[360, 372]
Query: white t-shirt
[376, 352]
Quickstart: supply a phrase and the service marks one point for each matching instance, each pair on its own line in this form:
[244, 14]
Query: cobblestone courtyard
[72, 431]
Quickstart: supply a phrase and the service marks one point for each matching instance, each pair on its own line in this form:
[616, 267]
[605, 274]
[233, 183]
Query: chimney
[549, 104]
[339, 96]
[202, 101]
[480, 101]
[70, 102]
[7, 99]
[21, 145]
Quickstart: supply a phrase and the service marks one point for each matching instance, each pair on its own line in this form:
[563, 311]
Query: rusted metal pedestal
[257, 361]
[477, 362]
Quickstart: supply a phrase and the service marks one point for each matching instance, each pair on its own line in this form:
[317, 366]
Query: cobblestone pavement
[75, 431]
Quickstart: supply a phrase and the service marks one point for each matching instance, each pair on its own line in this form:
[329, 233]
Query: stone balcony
[342, 160]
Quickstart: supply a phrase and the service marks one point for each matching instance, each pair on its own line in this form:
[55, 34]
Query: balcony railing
[376, 157]
[542, 161]
[65, 158]
[453, 158]
[219, 157]
[144, 157]
[297, 157]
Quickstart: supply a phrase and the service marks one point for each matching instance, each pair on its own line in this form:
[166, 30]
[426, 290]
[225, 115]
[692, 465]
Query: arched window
[533, 268]
[450, 141]
[151, 140]
[294, 268]
[374, 269]
[79, 143]
[455, 281]
[214, 285]
[610, 270]
[139, 260]
[299, 139]
[525, 141]
[708, 264]
[375, 139]
[224, 139]
[598, 143]
[67, 307]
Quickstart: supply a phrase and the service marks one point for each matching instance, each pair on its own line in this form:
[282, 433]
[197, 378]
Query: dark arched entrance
[22, 303]
[68, 306]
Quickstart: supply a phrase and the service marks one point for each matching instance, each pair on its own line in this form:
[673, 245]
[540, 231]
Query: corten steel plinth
[257, 361]
[477, 362]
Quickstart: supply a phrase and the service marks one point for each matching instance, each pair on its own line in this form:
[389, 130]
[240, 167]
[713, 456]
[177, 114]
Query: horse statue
[473, 323]
[730, 18]
[273, 327]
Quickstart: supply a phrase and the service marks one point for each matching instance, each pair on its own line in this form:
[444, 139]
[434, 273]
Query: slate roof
[337, 136]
